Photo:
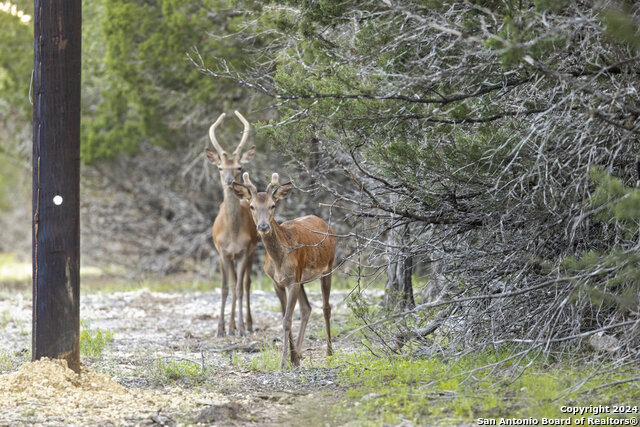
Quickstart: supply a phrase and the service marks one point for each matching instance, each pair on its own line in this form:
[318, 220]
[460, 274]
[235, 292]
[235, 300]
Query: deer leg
[242, 269]
[224, 292]
[247, 289]
[280, 290]
[325, 283]
[287, 342]
[305, 312]
[282, 296]
[231, 273]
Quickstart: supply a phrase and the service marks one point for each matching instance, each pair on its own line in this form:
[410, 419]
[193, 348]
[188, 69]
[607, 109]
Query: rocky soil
[165, 366]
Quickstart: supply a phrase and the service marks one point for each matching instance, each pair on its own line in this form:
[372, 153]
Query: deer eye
[252, 207]
[272, 206]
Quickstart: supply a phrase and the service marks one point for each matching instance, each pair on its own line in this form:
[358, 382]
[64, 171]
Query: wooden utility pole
[56, 180]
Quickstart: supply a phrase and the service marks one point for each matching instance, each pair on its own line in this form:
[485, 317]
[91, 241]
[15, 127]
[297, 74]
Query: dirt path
[165, 343]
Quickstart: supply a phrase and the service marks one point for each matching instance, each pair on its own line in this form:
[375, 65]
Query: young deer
[298, 252]
[234, 232]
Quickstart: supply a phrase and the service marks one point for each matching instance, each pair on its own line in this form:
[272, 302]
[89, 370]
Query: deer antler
[273, 184]
[212, 135]
[247, 183]
[245, 135]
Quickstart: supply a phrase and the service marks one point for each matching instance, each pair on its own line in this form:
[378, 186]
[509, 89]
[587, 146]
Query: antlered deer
[298, 252]
[234, 232]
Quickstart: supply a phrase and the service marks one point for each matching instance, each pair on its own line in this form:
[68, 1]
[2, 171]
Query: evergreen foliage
[500, 137]
[15, 62]
[503, 134]
[145, 83]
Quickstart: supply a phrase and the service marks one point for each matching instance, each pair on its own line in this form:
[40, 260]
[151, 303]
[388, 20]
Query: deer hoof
[220, 332]
[295, 359]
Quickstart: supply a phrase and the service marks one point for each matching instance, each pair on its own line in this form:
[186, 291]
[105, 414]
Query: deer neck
[232, 207]
[276, 242]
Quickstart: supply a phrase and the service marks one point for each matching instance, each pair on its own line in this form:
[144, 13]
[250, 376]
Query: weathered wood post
[56, 180]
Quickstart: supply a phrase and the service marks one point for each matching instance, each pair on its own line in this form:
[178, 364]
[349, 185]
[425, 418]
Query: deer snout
[263, 226]
[227, 176]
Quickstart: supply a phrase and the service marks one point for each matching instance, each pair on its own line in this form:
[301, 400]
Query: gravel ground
[229, 381]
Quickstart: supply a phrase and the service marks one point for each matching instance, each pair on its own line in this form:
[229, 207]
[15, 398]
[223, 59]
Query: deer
[298, 251]
[234, 231]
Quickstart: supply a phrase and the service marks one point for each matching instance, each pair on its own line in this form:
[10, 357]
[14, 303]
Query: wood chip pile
[48, 391]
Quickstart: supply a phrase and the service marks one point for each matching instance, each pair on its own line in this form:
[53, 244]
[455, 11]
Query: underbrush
[267, 360]
[405, 390]
[177, 369]
[94, 342]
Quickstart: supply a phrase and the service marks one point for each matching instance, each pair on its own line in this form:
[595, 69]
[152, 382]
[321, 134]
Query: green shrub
[267, 360]
[179, 370]
[93, 343]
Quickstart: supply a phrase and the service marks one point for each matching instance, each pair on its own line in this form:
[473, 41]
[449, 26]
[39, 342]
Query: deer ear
[241, 191]
[248, 156]
[213, 156]
[282, 191]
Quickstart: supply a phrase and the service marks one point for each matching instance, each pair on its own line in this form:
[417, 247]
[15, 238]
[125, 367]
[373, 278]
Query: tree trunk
[399, 287]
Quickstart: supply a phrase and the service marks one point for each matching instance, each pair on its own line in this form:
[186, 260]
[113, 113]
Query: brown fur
[234, 232]
[298, 251]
